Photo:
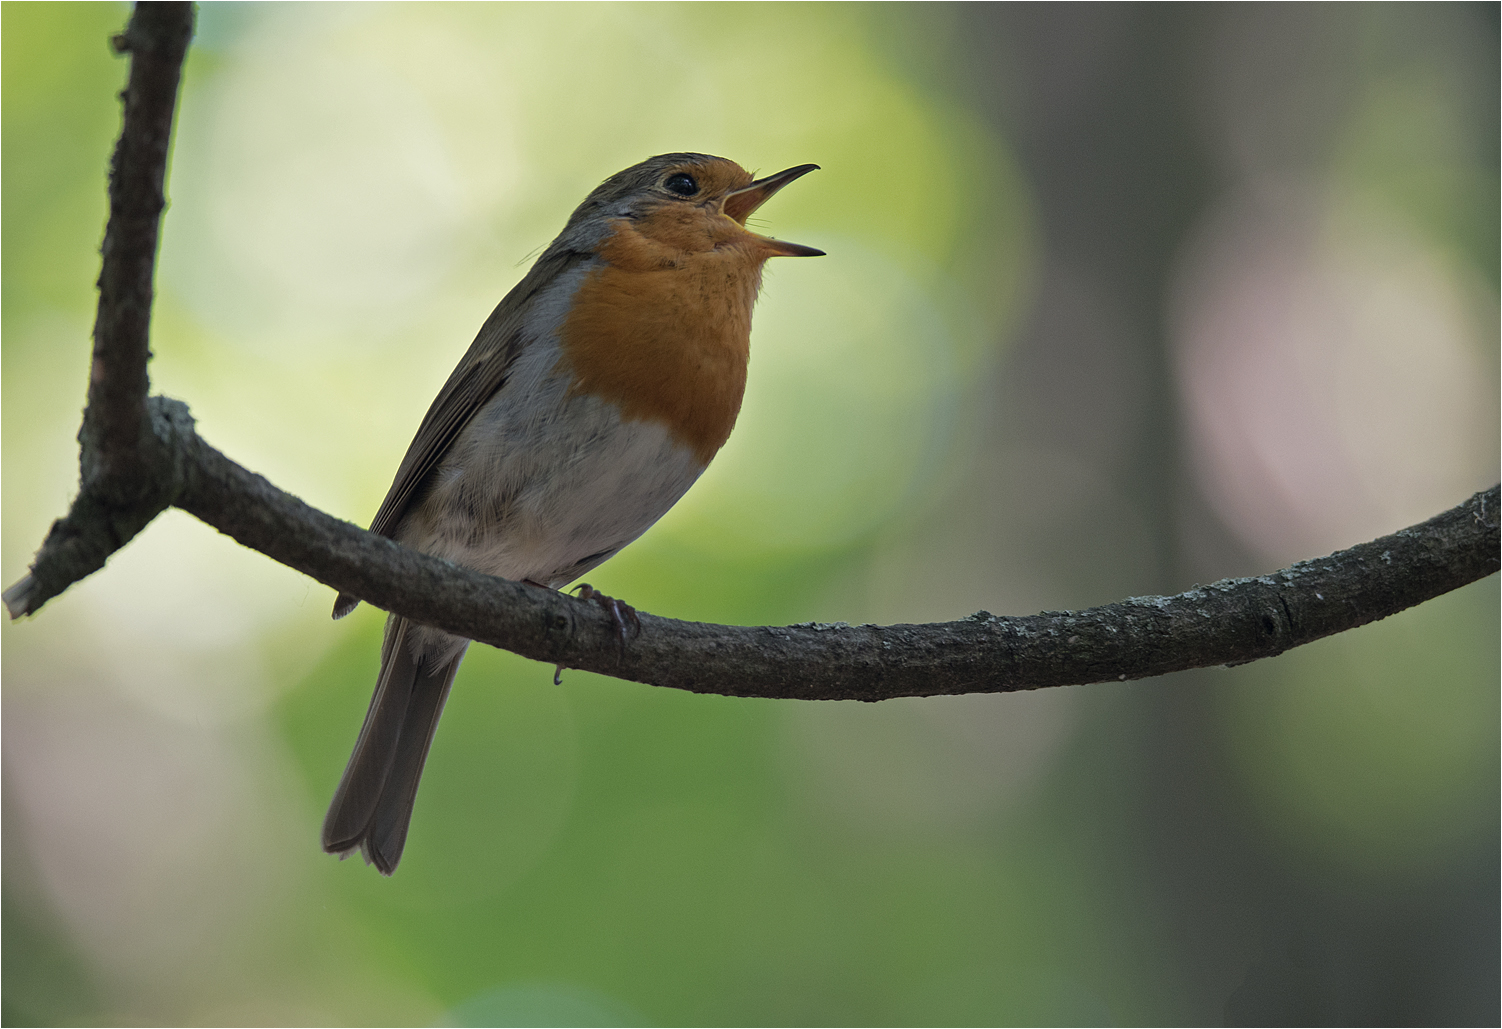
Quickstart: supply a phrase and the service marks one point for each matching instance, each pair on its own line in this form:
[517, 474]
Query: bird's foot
[620, 612]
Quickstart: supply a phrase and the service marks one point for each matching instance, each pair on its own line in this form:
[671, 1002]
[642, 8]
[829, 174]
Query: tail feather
[373, 805]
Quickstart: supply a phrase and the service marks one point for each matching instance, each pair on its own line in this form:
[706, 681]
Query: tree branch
[115, 421]
[123, 474]
[1229, 622]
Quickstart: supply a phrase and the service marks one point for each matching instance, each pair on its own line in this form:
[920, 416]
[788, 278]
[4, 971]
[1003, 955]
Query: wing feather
[481, 372]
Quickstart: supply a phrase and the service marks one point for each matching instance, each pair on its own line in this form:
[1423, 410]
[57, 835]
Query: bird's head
[685, 204]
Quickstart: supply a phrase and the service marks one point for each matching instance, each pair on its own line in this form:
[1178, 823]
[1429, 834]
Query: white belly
[543, 486]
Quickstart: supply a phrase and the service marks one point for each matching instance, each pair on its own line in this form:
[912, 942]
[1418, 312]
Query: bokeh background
[1118, 299]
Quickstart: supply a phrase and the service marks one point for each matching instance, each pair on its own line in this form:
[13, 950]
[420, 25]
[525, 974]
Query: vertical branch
[127, 471]
[116, 427]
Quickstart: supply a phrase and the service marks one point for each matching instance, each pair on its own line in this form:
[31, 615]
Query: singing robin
[594, 395]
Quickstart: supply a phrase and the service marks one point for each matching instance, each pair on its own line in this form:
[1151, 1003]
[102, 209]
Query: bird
[591, 399]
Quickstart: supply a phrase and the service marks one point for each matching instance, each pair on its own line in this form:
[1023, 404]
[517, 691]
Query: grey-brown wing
[479, 375]
[482, 371]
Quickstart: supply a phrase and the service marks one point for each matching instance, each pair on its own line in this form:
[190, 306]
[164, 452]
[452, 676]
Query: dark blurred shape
[1130, 120]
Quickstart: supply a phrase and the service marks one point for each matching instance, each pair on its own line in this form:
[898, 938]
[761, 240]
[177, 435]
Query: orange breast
[664, 333]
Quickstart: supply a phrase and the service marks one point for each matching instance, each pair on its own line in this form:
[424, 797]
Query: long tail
[373, 804]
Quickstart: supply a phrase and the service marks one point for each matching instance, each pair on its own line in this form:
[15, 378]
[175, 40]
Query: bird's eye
[681, 183]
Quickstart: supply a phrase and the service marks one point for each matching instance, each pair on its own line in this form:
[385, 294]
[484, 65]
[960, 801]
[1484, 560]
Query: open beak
[740, 204]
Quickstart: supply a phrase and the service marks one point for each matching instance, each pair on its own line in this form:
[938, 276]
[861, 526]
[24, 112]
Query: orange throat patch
[664, 331]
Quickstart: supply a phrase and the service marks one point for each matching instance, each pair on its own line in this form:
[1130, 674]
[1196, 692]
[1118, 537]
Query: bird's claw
[620, 612]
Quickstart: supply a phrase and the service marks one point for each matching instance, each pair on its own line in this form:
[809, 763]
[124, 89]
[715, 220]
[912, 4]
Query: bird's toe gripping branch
[621, 613]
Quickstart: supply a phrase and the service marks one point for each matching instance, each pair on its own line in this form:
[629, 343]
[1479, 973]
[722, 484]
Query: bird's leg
[620, 612]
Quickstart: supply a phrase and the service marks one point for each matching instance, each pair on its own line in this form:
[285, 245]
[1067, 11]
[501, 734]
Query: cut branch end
[18, 597]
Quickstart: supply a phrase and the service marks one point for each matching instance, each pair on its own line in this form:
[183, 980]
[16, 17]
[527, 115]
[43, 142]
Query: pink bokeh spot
[1332, 373]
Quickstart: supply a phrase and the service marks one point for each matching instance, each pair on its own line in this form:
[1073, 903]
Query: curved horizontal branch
[139, 456]
[1228, 622]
